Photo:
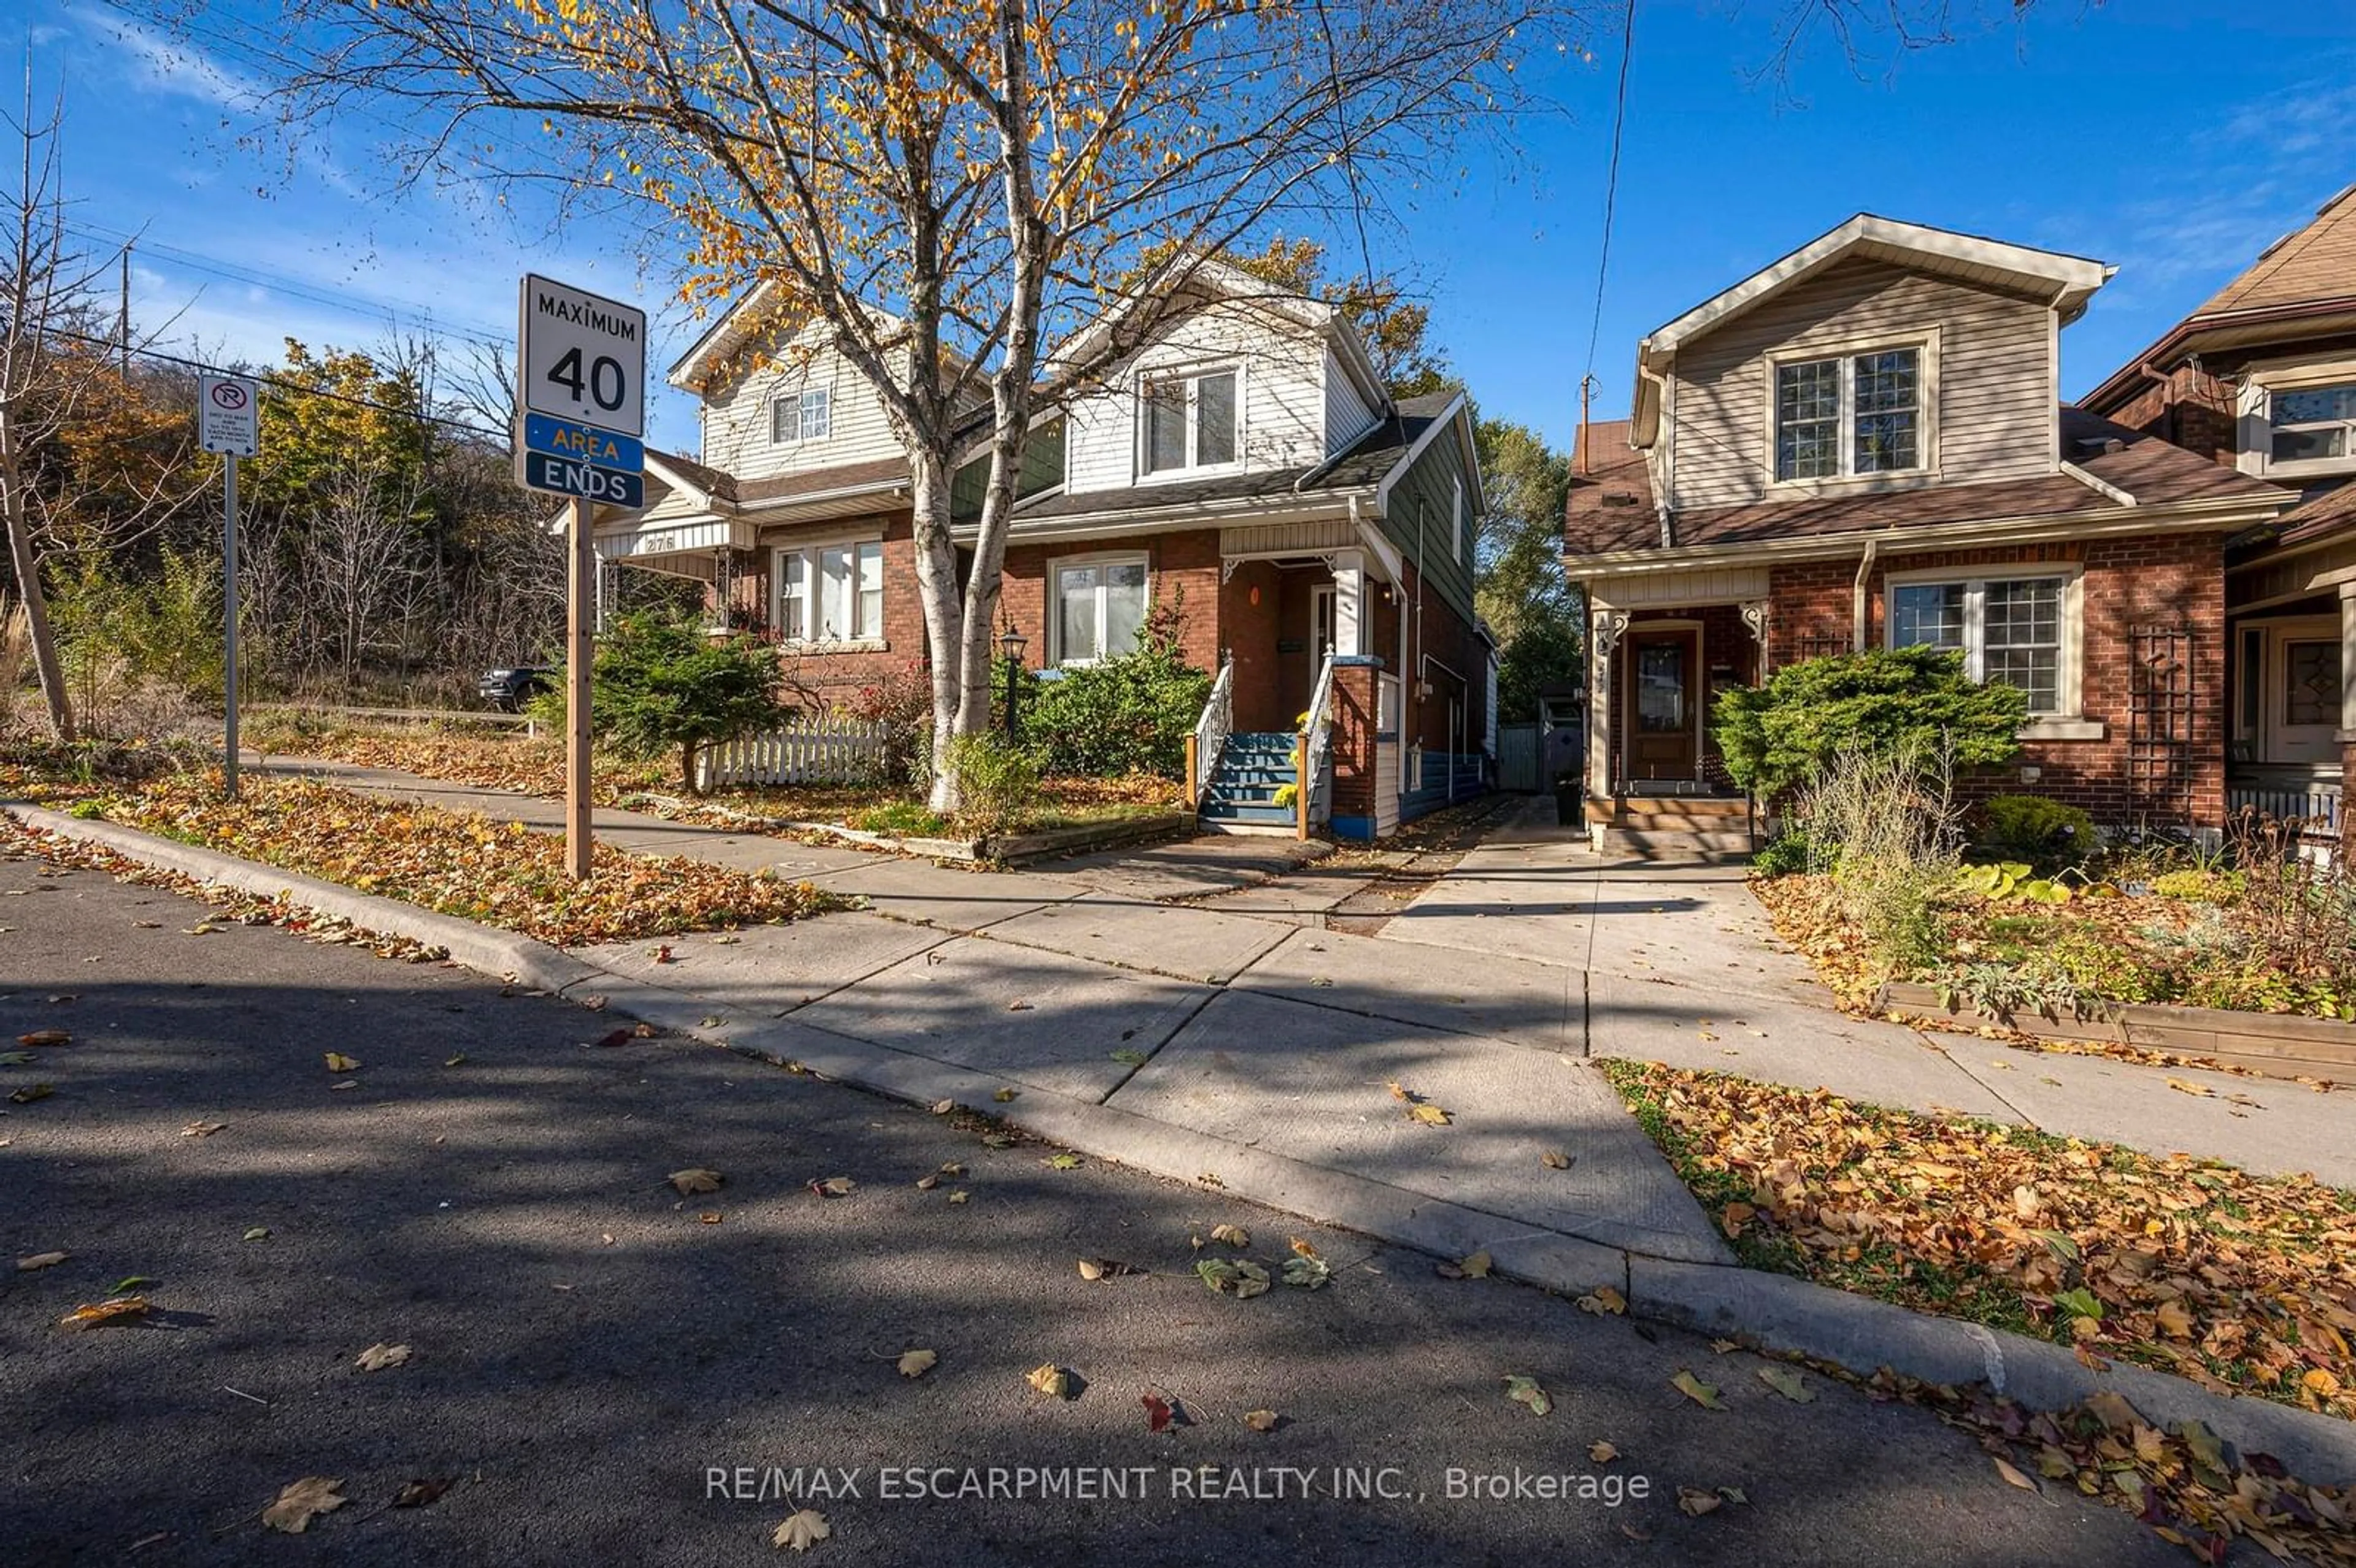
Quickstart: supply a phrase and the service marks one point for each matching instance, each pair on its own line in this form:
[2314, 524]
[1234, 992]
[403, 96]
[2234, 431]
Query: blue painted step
[1253, 767]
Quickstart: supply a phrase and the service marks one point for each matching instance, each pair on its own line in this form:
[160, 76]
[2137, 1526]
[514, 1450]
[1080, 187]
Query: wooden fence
[809, 750]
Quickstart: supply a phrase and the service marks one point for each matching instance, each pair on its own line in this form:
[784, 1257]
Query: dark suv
[508, 689]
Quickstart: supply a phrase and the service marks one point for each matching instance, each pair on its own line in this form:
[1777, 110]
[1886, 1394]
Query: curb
[1774, 1312]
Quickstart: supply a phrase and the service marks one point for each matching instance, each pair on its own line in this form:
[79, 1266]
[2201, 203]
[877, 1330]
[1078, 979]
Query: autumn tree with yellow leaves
[955, 188]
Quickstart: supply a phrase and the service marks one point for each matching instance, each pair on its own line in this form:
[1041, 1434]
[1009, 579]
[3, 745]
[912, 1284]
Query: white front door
[2300, 690]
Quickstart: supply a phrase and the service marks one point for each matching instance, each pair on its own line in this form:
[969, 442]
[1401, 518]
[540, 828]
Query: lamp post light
[1012, 643]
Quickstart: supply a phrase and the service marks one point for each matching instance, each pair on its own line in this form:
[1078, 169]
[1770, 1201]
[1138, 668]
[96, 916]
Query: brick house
[1863, 445]
[1245, 466]
[2262, 379]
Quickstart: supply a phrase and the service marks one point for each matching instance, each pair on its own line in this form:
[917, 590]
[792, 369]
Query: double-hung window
[2012, 629]
[1188, 421]
[1856, 415]
[2312, 424]
[1099, 604]
[831, 595]
[805, 415]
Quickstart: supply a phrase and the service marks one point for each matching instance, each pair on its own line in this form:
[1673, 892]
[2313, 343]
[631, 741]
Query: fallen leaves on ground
[1475, 1267]
[1162, 1415]
[302, 1501]
[696, 1181]
[2241, 1283]
[40, 1037]
[1261, 1420]
[1241, 1278]
[1555, 1159]
[1693, 1388]
[1601, 1453]
[1234, 1235]
[1604, 1301]
[1309, 1273]
[833, 1186]
[1787, 1383]
[917, 1363]
[122, 1309]
[460, 863]
[801, 1531]
[1523, 1390]
[1050, 1380]
[377, 1358]
[338, 1063]
[201, 1129]
[425, 1492]
[39, 1261]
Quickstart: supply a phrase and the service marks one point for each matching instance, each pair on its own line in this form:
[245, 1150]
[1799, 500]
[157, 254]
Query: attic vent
[2101, 446]
[2335, 200]
[1619, 499]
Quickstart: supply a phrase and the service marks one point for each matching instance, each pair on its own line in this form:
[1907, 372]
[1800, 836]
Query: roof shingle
[2307, 266]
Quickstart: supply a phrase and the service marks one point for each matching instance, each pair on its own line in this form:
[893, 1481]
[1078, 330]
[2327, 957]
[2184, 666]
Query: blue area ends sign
[584, 443]
[572, 476]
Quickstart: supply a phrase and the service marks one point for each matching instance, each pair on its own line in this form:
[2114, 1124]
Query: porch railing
[2318, 805]
[1211, 731]
[1317, 767]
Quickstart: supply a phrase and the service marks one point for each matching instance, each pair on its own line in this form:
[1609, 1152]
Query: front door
[1664, 728]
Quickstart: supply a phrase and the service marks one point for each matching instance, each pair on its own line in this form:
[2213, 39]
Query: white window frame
[1193, 375]
[1052, 599]
[2259, 441]
[802, 401]
[2067, 722]
[1925, 348]
[796, 574]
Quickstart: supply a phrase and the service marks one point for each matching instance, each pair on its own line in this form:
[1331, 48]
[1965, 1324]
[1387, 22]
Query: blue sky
[2171, 138]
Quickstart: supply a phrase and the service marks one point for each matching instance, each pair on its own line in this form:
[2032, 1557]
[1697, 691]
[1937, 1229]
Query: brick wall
[1449, 638]
[2191, 409]
[1353, 739]
[1182, 563]
[2177, 580]
[819, 679]
[1250, 605]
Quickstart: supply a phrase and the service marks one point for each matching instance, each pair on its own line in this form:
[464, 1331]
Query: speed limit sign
[584, 357]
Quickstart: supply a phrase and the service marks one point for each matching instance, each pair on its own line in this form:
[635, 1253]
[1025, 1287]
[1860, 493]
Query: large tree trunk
[28, 584]
[937, 583]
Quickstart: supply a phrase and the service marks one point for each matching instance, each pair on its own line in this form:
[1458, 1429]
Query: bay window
[2012, 629]
[1096, 607]
[832, 594]
[1851, 416]
[1188, 421]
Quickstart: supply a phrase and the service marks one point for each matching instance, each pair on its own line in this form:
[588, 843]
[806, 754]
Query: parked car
[508, 689]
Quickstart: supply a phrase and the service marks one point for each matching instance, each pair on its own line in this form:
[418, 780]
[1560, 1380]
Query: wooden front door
[1663, 704]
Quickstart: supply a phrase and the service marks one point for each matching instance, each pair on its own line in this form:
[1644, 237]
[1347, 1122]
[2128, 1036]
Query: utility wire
[1612, 184]
[287, 384]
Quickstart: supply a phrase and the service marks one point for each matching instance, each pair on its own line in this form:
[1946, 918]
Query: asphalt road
[587, 1351]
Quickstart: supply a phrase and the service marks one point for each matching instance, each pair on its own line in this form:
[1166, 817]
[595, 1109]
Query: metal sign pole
[229, 620]
[580, 629]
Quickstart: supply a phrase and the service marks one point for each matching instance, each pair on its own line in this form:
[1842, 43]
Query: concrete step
[1643, 841]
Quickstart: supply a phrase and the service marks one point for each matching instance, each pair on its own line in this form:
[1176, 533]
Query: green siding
[1042, 465]
[1427, 493]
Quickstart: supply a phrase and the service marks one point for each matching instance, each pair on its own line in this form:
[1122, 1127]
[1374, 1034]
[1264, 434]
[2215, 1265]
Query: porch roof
[1613, 508]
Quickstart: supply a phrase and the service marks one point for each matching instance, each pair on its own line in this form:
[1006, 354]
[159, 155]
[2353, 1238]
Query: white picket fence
[807, 752]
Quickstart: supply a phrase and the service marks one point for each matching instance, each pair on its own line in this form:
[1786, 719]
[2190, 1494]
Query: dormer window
[1857, 415]
[2312, 424]
[1189, 421]
[805, 415]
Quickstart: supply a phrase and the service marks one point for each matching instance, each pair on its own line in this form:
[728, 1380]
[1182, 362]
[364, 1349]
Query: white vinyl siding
[1280, 388]
[1348, 416]
[1988, 397]
[830, 593]
[742, 430]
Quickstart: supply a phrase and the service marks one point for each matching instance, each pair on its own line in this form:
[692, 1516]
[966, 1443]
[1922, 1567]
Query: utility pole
[1586, 387]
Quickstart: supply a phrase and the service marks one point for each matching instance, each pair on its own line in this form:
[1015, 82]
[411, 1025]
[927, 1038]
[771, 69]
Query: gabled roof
[2306, 266]
[1612, 510]
[2068, 280]
[736, 328]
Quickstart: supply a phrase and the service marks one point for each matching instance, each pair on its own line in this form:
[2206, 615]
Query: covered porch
[2291, 681]
[1661, 650]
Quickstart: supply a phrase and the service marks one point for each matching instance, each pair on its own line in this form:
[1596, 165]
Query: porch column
[1350, 608]
[1603, 637]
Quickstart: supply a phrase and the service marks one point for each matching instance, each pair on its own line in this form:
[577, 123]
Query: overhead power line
[288, 384]
[1611, 183]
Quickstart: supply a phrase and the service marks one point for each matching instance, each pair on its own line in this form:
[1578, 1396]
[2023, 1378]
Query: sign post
[581, 363]
[229, 420]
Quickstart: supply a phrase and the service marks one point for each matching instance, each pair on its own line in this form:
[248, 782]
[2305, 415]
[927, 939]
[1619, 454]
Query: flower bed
[2240, 1282]
[454, 862]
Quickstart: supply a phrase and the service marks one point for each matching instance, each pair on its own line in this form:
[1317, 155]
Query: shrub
[1127, 715]
[661, 682]
[903, 701]
[1885, 702]
[2194, 885]
[1788, 854]
[2047, 834]
[997, 781]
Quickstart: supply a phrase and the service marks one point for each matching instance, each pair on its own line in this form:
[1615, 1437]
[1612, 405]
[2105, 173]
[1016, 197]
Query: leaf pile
[460, 863]
[2240, 1282]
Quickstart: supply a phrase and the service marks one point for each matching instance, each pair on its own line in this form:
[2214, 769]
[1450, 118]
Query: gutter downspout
[1856, 595]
